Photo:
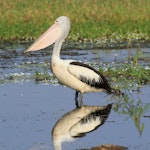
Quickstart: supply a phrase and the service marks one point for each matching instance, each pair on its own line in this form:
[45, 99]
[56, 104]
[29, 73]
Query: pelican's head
[58, 31]
[64, 24]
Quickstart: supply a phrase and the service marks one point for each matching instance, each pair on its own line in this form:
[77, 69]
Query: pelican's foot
[76, 100]
[76, 103]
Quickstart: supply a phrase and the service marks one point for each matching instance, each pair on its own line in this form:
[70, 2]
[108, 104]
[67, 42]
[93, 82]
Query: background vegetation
[91, 19]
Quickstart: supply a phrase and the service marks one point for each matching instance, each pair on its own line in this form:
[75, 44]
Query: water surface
[29, 110]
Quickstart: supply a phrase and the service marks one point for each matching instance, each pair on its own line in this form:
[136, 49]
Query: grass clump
[127, 19]
[136, 74]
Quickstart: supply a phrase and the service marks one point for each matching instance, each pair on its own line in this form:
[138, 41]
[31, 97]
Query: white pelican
[76, 75]
[78, 122]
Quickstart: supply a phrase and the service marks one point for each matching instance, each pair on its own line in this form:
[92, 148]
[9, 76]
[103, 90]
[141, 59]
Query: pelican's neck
[56, 49]
[57, 147]
[57, 144]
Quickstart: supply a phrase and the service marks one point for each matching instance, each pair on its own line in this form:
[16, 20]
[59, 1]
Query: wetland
[32, 100]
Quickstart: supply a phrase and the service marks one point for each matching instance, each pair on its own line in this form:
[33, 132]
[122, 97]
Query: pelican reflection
[78, 122]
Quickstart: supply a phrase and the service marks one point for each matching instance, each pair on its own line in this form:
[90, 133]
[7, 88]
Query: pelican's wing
[89, 75]
[90, 122]
[87, 124]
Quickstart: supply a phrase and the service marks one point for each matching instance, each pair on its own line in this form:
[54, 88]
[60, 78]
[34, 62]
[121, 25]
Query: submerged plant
[133, 109]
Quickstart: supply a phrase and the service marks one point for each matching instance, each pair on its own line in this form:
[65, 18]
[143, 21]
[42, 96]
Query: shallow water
[14, 62]
[28, 111]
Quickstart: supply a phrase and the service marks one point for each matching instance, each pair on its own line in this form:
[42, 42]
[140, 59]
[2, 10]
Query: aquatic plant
[132, 108]
[127, 72]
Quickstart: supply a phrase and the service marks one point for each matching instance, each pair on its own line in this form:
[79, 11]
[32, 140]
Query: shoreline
[96, 43]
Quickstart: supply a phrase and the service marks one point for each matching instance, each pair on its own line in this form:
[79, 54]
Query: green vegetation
[134, 74]
[96, 19]
[132, 108]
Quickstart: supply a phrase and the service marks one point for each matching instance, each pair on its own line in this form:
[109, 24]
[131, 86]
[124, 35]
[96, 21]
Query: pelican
[71, 73]
[78, 122]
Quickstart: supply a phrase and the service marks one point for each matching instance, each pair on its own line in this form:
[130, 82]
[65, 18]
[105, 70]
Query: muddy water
[29, 110]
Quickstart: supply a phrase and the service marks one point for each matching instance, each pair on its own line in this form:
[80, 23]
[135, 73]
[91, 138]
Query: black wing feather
[102, 83]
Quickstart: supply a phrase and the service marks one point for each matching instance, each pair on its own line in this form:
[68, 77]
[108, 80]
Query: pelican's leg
[76, 99]
[81, 102]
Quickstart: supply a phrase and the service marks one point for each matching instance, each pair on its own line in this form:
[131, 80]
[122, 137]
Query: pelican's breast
[60, 70]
